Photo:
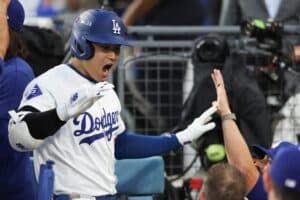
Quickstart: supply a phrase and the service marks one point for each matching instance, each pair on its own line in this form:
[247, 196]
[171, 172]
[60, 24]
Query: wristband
[229, 116]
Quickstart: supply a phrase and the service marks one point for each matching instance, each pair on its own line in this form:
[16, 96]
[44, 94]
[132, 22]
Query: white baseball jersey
[83, 148]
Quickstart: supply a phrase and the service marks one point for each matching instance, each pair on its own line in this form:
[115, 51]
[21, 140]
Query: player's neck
[78, 65]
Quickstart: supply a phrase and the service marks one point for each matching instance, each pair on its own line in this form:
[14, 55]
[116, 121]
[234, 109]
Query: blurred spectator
[16, 170]
[282, 178]
[46, 8]
[289, 125]
[30, 7]
[234, 11]
[172, 12]
[40, 13]
[44, 13]
[224, 182]
[42, 8]
[118, 6]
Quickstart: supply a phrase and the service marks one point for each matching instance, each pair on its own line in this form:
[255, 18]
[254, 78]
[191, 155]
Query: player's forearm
[238, 153]
[137, 9]
[140, 146]
[236, 148]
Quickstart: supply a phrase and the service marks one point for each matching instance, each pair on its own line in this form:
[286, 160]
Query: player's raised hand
[82, 99]
[222, 100]
[198, 127]
[101, 87]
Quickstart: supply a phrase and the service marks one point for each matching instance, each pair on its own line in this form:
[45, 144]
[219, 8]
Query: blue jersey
[258, 192]
[16, 171]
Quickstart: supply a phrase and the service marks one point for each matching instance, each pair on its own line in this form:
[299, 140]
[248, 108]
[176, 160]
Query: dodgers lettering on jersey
[108, 123]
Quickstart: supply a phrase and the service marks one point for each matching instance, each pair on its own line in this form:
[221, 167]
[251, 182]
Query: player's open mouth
[107, 67]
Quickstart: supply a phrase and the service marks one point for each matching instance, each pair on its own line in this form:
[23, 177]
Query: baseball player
[71, 115]
[16, 173]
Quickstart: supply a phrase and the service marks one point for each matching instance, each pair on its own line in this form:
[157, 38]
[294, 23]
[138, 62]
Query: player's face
[261, 163]
[100, 65]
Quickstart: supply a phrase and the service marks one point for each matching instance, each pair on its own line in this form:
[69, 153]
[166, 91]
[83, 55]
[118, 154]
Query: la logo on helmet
[116, 27]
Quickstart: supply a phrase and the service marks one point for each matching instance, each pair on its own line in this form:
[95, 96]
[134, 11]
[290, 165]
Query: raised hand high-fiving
[221, 103]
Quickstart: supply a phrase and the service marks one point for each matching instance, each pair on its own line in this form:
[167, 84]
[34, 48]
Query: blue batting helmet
[96, 26]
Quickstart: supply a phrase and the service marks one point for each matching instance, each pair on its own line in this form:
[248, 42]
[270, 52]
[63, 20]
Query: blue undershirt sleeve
[130, 145]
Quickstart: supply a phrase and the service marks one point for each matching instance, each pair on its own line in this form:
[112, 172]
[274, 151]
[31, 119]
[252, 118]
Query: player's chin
[101, 78]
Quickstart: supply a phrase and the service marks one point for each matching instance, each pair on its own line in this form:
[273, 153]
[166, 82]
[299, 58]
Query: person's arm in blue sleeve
[139, 146]
[130, 145]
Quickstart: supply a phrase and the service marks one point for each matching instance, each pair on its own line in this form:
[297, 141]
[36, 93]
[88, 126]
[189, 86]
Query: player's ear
[267, 179]
[91, 49]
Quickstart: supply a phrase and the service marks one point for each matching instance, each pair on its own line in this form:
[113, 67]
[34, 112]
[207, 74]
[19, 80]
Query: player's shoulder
[54, 71]
[16, 61]
[47, 83]
[46, 79]
[18, 65]
[56, 74]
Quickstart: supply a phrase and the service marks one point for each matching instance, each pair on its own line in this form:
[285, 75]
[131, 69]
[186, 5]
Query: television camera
[261, 46]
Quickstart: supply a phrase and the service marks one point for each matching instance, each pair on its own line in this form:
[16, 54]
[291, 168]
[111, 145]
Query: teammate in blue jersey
[71, 115]
[16, 171]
